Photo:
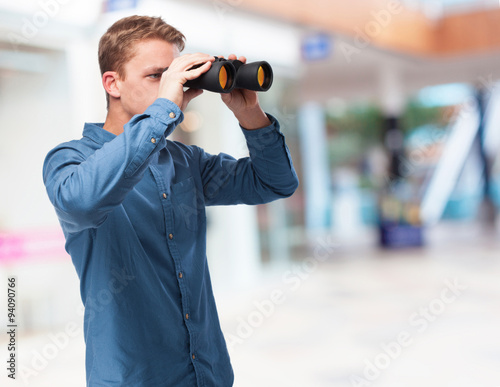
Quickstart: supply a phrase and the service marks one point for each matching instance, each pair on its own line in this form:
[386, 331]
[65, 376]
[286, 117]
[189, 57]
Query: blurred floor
[370, 317]
[364, 317]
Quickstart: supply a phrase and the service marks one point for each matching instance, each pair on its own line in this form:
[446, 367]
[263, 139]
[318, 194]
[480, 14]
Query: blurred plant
[362, 126]
[352, 133]
[417, 114]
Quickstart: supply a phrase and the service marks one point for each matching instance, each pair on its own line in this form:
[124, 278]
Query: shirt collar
[97, 133]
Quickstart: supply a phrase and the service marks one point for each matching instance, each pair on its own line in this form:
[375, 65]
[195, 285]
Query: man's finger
[190, 94]
[187, 61]
[195, 73]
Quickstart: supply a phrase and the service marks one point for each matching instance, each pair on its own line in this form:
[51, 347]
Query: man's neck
[115, 120]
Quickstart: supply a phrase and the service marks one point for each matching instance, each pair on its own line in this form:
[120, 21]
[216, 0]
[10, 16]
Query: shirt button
[172, 115]
[153, 140]
[193, 357]
[164, 195]
[170, 236]
[187, 316]
[180, 275]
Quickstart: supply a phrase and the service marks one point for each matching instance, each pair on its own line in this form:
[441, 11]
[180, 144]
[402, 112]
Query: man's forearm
[253, 119]
[85, 184]
[266, 175]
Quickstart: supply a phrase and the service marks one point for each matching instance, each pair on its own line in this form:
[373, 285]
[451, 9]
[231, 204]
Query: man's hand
[178, 73]
[245, 105]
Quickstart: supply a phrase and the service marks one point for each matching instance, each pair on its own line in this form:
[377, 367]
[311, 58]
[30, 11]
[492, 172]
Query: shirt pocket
[188, 203]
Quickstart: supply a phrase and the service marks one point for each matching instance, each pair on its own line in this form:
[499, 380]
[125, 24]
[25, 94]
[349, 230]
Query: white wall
[34, 116]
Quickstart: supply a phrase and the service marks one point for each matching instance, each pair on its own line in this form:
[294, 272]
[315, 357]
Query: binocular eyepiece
[225, 75]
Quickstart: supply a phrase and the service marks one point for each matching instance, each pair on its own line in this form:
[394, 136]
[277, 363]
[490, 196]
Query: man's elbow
[78, 214]
[80, 219]
[290, 188]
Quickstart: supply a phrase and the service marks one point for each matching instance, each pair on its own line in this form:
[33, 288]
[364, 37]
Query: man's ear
[111, 83]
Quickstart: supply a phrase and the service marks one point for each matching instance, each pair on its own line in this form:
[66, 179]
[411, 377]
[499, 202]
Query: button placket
[167, 205]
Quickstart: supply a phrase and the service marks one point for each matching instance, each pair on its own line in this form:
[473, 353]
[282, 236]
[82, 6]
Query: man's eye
[155, 76]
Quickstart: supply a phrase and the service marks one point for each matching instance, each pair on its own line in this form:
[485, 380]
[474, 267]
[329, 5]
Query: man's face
[143, 74]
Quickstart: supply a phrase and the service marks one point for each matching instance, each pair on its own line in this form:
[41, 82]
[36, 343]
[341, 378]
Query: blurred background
[381, 270]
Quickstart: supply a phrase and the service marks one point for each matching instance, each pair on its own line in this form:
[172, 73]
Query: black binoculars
[225, 75]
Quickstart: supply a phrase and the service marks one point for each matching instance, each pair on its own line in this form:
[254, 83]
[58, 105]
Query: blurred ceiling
[418, 42]
[362, 78]
[422, 28]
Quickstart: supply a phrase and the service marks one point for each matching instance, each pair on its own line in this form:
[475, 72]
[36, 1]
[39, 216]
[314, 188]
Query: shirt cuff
[266, 136]
[165, 111]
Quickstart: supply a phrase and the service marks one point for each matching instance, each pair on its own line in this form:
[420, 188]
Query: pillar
[316, 180]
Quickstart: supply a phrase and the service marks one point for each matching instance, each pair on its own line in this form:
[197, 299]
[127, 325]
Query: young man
[132, 207]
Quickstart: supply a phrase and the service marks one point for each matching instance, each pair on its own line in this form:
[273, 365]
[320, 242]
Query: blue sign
[316, 47]
[119, 5]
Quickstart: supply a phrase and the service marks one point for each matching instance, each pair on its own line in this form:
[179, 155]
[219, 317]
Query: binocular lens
[256, 76]
[223, 77]
[261, 76]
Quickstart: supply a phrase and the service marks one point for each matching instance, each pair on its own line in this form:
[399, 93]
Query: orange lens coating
[261, 76]
[223, 77]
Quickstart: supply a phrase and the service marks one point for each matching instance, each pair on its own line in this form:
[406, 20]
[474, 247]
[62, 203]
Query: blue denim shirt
[132, 208]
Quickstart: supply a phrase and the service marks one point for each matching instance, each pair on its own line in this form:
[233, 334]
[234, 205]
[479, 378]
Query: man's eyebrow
[155, 69]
